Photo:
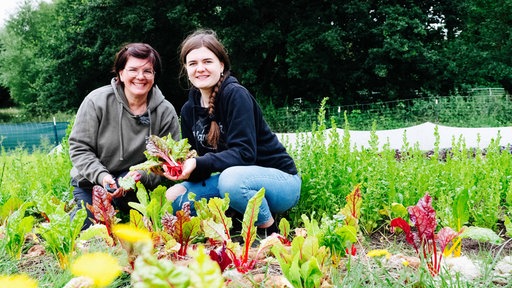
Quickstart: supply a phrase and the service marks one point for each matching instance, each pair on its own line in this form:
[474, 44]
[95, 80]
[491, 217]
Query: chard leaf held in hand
[165, 151]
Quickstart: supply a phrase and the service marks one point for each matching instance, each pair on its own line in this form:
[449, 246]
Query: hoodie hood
[154, 99]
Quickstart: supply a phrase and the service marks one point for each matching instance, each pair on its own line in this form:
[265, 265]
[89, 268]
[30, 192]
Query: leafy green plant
[16, 227]
[152, 272]
[508, 226]
[59, 233]
[182, 227]
[241, 261]
[11, 205]
[333, 233]
[214, 222]
[152, 208]
[302, 265]
[351, 213]
[459, 218]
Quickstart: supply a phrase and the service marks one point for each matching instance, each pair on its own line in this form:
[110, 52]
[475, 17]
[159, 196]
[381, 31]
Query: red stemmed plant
[166, 152]
[102, 208]
[228, 255]
[182, 227]
[423, 238]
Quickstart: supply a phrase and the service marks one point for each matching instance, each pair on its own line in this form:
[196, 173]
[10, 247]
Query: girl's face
[138, 77]
[203, 69]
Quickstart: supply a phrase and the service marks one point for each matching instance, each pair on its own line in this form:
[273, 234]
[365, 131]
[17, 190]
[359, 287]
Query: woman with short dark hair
[112, 123]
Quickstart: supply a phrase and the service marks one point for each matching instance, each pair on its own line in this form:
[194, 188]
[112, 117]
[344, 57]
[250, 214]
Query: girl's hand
[136, 175]
[188, 167]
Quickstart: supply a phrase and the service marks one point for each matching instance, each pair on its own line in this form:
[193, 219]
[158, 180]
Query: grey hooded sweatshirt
[108, 139]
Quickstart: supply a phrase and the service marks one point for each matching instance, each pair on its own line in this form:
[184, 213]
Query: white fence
[422, 135]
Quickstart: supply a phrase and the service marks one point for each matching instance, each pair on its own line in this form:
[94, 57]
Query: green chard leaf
[250, 217]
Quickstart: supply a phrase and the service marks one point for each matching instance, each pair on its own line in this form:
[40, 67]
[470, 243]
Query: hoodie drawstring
[121, 146]
[149, 115]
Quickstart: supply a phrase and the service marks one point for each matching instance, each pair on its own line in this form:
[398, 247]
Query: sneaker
[265, 232]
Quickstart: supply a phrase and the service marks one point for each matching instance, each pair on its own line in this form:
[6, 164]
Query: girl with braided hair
[238, 154]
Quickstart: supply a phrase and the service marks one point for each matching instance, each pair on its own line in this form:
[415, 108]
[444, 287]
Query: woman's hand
[188, 167]
[109, 183]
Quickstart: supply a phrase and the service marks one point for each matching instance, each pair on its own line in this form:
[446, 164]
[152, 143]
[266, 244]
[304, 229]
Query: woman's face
[203, 69]
[138, 77]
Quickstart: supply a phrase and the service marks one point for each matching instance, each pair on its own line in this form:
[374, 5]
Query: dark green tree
[482, 52]
[21, 60]
[350, 51]
[63, 50]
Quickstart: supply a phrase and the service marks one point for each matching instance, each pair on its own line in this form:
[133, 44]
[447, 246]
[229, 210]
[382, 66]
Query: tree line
[52, 54]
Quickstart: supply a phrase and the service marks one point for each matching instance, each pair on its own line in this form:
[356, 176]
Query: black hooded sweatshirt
[245, 137]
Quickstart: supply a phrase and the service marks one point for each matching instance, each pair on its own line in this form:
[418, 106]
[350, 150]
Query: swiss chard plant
[228, 255]
[16, 228]
[165, 151]
[102, 208]
[351, 212]
[153, 272]
[333, 234]
[182, 227]
[428, 244]
[59, 232]
[302, 264]
[241, 261]
[152, 208]
[214, 221]
[11, 205]
[459, 217]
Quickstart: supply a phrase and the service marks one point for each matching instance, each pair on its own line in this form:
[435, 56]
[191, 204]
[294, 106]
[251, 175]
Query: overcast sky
[8, 7]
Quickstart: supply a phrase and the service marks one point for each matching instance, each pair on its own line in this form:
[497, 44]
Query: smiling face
[138, 77]
[203, 69]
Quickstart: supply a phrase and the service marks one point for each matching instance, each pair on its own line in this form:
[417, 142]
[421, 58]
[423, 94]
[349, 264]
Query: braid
[214, 134]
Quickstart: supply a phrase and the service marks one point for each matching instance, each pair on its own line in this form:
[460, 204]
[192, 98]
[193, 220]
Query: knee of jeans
[228, 181]
[177, 204]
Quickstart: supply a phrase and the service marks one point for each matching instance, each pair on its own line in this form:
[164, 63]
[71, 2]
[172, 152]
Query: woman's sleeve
[82, 143]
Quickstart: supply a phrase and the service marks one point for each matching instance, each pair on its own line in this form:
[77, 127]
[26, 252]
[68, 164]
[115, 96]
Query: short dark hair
[137, 50]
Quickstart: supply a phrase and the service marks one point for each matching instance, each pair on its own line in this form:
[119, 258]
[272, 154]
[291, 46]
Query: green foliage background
[354, 52]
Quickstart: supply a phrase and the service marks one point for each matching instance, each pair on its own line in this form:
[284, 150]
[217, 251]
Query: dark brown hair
[208, 39]
[140, 51]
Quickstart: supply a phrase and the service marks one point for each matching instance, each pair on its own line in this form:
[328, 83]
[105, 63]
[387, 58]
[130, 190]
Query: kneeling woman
[224, 124]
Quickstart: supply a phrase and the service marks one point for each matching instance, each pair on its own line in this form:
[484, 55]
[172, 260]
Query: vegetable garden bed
[339, 235]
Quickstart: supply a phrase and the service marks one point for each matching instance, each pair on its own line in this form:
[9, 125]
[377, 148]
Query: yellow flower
[102, 268]
[19, 280]
[405, 263]
[379, 253]
[131, 233]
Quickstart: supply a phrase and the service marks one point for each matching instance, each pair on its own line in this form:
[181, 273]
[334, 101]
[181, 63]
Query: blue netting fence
[32, 136]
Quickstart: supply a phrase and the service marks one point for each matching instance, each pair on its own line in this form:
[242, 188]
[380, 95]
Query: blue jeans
[282, 190]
